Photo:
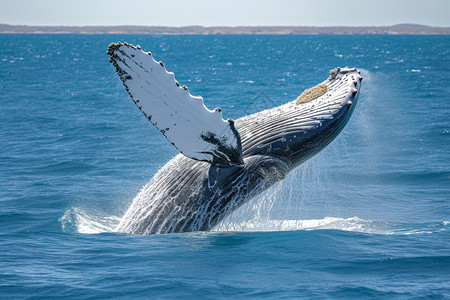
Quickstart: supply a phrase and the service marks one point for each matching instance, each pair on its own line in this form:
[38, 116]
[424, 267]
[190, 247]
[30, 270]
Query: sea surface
[367, 218]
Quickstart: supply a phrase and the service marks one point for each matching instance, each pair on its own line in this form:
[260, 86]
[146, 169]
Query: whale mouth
[325, 114]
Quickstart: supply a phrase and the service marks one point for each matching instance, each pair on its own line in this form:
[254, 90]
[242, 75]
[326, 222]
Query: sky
[226, 13]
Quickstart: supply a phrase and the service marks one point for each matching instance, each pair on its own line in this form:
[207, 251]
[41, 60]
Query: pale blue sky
[225, 13]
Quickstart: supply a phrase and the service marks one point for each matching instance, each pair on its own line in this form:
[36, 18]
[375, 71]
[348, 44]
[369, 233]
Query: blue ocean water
[367, 218]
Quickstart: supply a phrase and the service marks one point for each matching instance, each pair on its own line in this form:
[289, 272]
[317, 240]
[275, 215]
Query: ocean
[367, 218]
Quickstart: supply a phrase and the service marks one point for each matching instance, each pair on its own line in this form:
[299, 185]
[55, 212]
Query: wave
[353, 224]
[79, 221]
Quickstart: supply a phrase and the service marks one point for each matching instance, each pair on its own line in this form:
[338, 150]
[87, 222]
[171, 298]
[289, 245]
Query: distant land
[131, 29]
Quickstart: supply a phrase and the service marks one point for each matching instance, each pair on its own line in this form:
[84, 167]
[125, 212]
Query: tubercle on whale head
[334, 72]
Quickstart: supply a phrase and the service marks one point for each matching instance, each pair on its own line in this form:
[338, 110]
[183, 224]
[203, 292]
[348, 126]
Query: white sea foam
[353, 224]
[77, 220]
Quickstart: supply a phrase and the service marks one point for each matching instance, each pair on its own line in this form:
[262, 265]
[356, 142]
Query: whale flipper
[185, 121]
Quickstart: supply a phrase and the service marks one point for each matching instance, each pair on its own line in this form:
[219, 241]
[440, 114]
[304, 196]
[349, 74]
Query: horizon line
[211, 30]
[228, 26]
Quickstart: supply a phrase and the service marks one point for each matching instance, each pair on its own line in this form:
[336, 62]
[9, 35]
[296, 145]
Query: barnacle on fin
[312, 93]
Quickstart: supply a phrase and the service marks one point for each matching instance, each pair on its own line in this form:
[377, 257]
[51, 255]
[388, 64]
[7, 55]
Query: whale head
[301, 128]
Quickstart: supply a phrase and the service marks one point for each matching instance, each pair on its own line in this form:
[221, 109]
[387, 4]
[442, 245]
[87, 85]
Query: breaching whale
[222, 163]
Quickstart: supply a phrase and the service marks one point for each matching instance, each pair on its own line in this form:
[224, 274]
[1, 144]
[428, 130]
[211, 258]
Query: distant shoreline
[201, 30]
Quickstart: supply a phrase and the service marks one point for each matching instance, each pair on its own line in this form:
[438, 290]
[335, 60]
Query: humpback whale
[222, 163]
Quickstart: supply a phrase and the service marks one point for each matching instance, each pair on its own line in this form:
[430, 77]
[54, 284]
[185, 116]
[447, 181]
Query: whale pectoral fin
[196, 131]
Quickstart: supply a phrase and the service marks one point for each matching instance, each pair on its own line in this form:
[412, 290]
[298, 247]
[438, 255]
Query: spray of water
[77, 220]
[305, 193]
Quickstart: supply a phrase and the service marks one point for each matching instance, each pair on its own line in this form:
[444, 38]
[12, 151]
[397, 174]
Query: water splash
[306, 192]
[284, 200]
[353, 224]
[77, 220]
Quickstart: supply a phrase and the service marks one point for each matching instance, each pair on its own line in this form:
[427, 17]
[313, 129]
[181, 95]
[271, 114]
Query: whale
[222, 164]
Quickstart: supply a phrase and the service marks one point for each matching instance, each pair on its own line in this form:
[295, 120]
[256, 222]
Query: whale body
[222, 163]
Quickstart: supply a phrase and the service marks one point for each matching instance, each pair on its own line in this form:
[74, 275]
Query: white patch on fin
[196, 131]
